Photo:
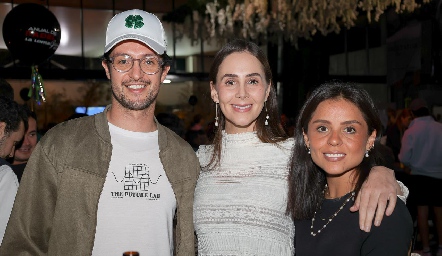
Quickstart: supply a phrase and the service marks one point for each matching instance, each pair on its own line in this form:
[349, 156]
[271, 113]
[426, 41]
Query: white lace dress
[239, 207]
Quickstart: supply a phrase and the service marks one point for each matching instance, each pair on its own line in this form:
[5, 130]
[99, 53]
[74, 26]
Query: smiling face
[338, 137]
[23, 153]
[134, 89]
[241, 91]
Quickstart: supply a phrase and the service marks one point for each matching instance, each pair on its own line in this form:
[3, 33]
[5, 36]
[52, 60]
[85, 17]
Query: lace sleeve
[405, 192]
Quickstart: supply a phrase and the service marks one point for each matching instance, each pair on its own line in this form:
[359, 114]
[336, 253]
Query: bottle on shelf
[131, 253]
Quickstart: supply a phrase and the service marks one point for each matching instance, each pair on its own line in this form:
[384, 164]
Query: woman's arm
[378, 195]
[393, 237]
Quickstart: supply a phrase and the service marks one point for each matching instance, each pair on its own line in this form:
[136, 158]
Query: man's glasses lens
[123, 63]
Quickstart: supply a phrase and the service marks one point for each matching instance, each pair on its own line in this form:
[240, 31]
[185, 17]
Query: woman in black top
[336, 139]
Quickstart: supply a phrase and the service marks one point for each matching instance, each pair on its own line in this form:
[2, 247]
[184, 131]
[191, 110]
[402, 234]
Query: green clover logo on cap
[135, 21]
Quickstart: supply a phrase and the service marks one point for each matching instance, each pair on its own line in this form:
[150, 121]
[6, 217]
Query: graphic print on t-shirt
[137, 182]
[137, 203]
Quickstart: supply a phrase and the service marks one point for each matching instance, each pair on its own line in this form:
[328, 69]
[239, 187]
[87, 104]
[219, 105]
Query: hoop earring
[216, 114]
[267, 115]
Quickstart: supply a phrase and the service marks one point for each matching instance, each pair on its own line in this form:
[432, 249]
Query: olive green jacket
[55, 211]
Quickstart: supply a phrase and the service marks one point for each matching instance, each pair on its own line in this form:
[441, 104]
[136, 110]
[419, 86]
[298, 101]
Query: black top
[3, 162]
[18, 170]
[342, 235]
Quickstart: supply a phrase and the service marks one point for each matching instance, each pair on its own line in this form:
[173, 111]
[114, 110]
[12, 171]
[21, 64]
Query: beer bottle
[131, 253]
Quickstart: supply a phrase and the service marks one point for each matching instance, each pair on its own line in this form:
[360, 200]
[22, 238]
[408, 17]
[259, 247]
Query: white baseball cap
[136, 25]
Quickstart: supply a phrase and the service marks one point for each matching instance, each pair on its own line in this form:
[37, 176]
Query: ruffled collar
[243, 138]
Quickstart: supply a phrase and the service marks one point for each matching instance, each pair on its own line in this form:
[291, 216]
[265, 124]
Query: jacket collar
[102, 128]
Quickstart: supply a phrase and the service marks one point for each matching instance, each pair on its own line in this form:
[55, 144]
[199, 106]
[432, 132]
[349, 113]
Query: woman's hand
[380, 189]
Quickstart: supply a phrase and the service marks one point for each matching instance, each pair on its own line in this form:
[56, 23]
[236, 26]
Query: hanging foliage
[37, 90]
[264, 20]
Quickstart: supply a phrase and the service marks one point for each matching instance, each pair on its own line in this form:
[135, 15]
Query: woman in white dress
[241, 195]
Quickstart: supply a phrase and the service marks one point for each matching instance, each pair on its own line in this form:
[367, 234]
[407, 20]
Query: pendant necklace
[352, 195]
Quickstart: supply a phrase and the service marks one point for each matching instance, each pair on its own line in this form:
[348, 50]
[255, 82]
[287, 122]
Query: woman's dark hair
[6, 89]
[271, 133]
[306, 179]
[12, 114]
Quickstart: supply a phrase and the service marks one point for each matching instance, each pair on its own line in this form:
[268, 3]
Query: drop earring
[308, 152]
[267, 114]
[216, 114]
[366, 151]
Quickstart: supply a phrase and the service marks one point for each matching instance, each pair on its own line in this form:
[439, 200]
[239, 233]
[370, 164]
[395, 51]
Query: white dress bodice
[240, 205]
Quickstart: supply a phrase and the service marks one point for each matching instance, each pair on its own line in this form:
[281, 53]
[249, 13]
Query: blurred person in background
[196, 134]
[27, 145]
[12, 128]
[394, 134]
[421, 151]
[172, 122]
[395, 131]
[6, 89]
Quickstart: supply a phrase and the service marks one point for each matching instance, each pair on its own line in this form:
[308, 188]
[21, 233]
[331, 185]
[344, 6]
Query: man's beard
[139, 104]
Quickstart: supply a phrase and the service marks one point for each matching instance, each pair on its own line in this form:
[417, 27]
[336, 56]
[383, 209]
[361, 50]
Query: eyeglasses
[149, 64]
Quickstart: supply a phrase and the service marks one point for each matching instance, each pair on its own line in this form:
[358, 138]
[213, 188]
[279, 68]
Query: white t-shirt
[137, 204]
[8, 190]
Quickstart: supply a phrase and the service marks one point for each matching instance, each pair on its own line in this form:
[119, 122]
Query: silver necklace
[352, 195]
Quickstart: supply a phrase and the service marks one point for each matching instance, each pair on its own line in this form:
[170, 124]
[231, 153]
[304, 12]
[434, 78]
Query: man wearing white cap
[113, 182]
